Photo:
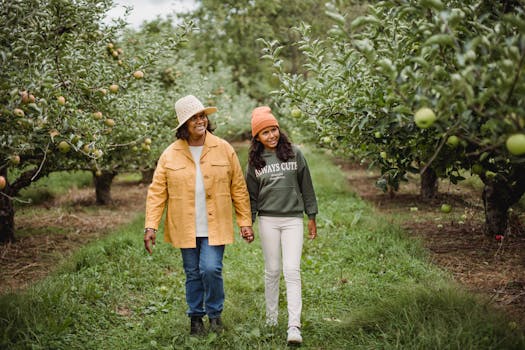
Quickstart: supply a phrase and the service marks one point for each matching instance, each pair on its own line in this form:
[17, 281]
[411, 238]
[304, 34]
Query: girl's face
[269, 137]
[197, 125]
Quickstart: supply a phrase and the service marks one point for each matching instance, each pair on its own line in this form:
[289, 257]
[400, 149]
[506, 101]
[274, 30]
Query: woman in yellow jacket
[197, 178]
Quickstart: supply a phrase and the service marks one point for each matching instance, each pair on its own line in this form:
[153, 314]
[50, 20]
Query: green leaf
[336, 16]
[516, 21]
[440, 39]
[362, 21]
[432, 4]
[419, 60]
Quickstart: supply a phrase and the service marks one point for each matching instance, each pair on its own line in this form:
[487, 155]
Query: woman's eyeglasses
[197, 117]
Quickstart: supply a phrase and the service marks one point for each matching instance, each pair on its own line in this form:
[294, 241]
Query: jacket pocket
[177, 178]
[222, 173]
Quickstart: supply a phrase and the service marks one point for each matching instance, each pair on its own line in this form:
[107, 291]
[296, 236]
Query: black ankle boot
[216, 325]
[196, 325]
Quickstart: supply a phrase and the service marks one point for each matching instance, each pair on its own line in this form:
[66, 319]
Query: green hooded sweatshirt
[282, 189]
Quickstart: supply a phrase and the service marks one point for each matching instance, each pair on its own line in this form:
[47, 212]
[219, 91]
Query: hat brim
[207, 110]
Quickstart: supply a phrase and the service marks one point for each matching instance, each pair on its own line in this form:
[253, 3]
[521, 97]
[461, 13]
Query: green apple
[490, 174]
[147, 141]
[138, 74]
[18, 112]
[477, 169]
[453, 141]
[61, 100]
[97, 115]
[383, 154]
[15, 159]
[326, 139]
[113, 88]
[424, 118]
[97, 153]
[516, 144]
[446, 208]
[109, 122]
[377, 135]
[296, 112]
[63, 147]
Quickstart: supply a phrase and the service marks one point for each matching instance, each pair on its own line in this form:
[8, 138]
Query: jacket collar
[210, 142]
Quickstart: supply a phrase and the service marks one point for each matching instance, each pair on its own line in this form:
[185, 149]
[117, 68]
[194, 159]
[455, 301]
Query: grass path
[366, 285]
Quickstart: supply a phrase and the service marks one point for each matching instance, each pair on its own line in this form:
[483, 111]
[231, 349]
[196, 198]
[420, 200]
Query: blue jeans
[204, 285]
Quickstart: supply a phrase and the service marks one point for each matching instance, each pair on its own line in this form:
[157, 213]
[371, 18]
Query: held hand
[312, 228]
[247, 233]
[149, 236]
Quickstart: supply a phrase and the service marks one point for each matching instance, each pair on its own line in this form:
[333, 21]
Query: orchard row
[435, 88]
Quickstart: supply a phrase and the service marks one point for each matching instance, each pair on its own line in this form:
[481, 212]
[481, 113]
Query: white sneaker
[294, 335]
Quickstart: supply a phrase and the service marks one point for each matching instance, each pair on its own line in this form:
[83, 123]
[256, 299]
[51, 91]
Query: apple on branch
[424, 117]
[516, 144]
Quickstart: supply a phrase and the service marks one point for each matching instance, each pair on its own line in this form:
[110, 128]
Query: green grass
[54, 184]
[366, 285]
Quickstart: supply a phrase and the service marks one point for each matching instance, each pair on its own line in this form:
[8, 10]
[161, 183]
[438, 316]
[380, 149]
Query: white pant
[282, 235]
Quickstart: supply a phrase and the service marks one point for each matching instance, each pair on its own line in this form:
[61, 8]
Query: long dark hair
[183, 133]
[284, 151]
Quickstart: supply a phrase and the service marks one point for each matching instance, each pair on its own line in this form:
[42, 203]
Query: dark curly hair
[183, 133]
[284, 151]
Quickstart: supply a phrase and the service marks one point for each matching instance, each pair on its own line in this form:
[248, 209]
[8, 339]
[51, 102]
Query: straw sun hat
[187, 106]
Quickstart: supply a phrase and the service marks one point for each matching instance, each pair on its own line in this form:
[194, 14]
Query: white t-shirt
[201, 216]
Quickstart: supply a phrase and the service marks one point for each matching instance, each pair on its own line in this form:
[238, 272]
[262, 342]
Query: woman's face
[197, 125]
[269, 137]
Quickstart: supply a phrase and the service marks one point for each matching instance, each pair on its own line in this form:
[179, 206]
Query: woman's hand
[247, 233]
[149, 236]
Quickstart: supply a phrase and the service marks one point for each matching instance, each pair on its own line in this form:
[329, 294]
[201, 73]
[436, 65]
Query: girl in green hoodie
[281, 193]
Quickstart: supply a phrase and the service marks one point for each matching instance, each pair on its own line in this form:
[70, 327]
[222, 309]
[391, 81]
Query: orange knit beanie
[262, 117]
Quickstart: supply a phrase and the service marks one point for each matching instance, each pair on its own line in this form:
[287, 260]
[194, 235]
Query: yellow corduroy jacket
[173, 186]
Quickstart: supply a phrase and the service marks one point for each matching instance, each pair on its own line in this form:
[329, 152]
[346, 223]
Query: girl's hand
[247, 233]
[312, 228]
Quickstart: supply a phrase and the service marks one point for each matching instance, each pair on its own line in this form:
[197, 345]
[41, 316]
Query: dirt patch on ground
[50, 232]
[456, 241]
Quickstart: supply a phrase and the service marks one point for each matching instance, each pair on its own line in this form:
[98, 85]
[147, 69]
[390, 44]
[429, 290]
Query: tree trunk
[496, 216]
[7, 217]
[103, 186]
[147, 175]
[499, 194]
[429, 184]
[496, 201]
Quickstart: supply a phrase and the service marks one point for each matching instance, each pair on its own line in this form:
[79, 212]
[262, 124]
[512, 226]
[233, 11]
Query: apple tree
[432, 87]
[142, 115]
[58, 86]
[142, 122]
